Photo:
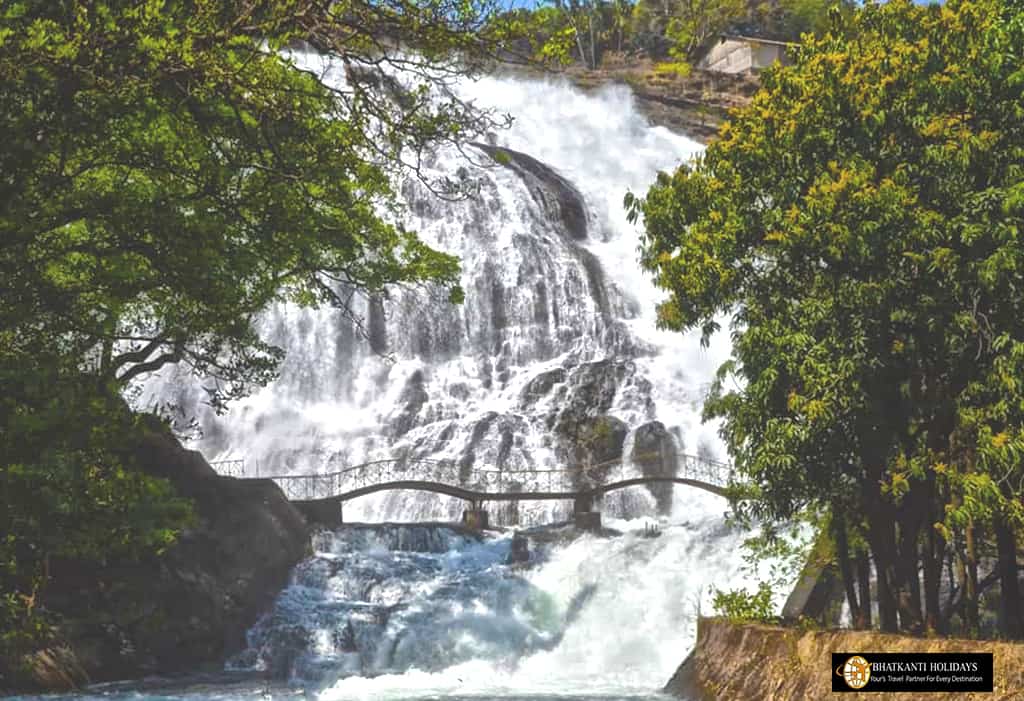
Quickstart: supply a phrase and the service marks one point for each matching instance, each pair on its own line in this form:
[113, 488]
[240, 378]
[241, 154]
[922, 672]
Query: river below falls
[428, 611]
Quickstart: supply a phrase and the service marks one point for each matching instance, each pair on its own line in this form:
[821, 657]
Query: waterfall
[552, 361]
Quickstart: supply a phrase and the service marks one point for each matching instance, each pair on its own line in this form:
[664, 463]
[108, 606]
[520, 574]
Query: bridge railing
[324, 485]
[230, 468]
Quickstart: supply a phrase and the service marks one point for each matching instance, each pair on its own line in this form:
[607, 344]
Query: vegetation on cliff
[862, 220]
[168, 169]
[671, 32]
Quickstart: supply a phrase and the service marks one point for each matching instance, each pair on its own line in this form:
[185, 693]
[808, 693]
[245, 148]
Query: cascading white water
[555, 339]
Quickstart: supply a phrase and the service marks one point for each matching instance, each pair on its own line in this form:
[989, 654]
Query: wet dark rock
[459, 390]
[654, 452]
[414, 396]
[542, 383]
[445, 435]
[468, 457]
[593, 441]
[590, 391]
[376, 326]
[595, 279]
[593, 385]
[562, 202]
[540, 313]
[505, 447]
[188, 609]
[520, 551]
[550, 190]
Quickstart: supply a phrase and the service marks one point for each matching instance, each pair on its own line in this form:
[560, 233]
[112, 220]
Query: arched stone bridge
[321, 496]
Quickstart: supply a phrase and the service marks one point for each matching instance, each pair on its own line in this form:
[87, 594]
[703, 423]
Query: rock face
[188, 609]
[520, 550]
[413, 397]
[55, 669]
[748, 661]
[551, 191]
[654, 451]
[695, 105]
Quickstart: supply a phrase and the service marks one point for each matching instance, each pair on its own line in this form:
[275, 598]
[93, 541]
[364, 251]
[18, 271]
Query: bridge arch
[321, 496]
[477, 497]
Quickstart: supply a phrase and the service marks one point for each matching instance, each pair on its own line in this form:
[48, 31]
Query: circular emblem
[856, 672]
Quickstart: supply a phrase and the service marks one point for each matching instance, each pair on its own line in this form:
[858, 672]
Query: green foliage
[167, 170]
[673, 32]
[861, 219]
[740, 606]
[679, 69]
[71, 489]
[169, 173]
[777, 554]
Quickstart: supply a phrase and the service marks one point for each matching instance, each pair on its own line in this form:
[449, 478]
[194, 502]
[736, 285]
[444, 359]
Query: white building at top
[740, 54]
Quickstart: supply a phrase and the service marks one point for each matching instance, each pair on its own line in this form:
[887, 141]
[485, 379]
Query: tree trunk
[593, 42]
[909, 585]
[843, 558]
[971, 583]
[881, 537]
[934, 554]
[1011, 624]
[864, 590]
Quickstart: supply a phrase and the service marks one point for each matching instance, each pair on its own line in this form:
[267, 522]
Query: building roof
[757, 40]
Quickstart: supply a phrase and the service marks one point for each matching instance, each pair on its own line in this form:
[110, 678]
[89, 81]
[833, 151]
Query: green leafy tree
[740, 606]
[860, 220]
[790, 19]
[169, 168]
[686, 25]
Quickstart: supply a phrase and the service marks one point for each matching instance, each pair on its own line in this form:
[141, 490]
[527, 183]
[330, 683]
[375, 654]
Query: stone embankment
[739, 662]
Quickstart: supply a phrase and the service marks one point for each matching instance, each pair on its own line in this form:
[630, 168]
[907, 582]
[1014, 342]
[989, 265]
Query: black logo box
[974, 671]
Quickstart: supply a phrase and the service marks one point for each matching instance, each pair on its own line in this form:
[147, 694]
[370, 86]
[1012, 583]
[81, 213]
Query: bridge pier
[583, 515]
[475, 518]
[321, 512]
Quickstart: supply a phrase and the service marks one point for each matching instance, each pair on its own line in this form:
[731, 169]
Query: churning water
[553, 360]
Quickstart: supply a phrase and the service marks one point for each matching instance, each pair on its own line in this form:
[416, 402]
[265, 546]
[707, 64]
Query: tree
[860, 219]
[168, 169]
[71, 490]
[687, 25]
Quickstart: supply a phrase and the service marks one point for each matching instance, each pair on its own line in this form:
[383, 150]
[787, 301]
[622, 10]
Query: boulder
[594, 441]
[541, 384]
[520, 551]
[55, 669]
[413, 397]
[654, 452]
[188, 609]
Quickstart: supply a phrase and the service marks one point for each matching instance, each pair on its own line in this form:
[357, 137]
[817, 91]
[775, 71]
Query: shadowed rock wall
[188, 609]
